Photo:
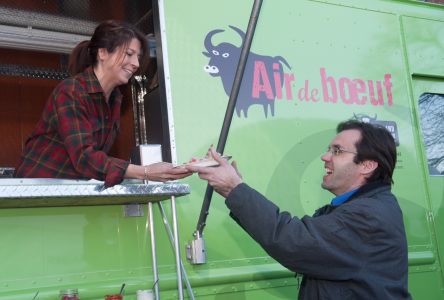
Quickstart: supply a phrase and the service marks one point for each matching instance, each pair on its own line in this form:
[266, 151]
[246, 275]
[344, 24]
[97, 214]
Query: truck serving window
[431, 111]
[35, 42]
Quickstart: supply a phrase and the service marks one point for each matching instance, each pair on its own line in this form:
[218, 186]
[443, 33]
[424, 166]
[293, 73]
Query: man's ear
[368, 166]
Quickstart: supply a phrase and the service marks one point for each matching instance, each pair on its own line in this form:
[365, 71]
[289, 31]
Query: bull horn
[240, 32]
[207, 43]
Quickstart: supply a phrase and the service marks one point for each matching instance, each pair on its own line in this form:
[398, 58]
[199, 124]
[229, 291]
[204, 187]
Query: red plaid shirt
[75, 133]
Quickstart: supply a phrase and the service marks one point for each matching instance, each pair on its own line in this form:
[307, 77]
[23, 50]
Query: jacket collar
[367, 188]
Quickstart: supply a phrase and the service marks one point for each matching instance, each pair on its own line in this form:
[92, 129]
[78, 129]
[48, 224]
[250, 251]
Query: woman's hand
[164, 171]
[161, 171]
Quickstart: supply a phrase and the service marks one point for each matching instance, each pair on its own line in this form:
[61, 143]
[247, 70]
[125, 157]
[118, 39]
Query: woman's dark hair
[376, 144]
[109, 35]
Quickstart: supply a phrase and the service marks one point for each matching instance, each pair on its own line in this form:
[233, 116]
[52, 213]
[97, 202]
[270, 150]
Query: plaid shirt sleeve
[87, 127]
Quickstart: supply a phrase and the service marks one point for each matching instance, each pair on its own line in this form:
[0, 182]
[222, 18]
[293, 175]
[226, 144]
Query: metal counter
[28, 192]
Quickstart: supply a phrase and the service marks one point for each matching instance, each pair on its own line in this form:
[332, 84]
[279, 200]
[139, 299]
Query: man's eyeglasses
[336, 151]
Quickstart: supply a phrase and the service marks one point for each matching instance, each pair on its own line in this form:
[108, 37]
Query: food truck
[263, 81]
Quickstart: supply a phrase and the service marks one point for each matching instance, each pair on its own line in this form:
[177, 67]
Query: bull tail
[281, 59]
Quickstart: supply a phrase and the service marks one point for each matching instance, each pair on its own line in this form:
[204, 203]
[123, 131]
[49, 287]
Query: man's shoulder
[379, 203]
[374, 193]
[378, 196]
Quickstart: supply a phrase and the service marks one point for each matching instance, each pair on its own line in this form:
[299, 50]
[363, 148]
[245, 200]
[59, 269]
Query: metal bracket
[133, 210]
[195, 250]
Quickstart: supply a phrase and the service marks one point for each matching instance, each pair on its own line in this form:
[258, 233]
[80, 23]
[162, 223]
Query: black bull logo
[224, 58]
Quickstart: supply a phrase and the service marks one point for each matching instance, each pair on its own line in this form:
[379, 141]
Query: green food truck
[263, 81]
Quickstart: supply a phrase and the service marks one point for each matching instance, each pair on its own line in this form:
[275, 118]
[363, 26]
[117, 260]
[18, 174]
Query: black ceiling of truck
[56, 15]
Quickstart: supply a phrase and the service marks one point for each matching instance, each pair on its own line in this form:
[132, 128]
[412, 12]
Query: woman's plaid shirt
[75, 133]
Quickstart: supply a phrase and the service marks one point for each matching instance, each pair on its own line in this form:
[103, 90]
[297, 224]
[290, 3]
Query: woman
[82, 116]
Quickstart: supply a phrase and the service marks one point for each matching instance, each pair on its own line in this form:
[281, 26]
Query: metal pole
[176, 248]
[153, 250]
[170, 235]
[141, 80]
[230, 107]
[134, 97]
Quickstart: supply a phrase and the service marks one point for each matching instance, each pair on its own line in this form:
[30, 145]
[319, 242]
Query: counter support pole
[177, 248]
[170, 235]
[153, 250]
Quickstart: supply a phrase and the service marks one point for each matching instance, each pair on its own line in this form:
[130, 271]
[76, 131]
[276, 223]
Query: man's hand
[223, 178]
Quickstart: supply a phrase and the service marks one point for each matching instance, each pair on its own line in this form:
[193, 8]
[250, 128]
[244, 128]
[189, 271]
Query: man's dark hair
[376, 144]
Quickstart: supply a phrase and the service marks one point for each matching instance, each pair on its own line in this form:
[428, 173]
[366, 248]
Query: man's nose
[326, 156]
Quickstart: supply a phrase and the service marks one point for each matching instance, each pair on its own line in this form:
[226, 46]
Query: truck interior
[36, 39]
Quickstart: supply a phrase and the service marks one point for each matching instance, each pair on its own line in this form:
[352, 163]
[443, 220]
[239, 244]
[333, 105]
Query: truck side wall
[335, 60]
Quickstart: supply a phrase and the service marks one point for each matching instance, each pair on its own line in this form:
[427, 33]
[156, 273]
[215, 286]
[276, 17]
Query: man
[353, 248]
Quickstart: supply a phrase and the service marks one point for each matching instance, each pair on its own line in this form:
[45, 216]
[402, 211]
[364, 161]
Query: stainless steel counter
[6, 172]
[27, 192]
